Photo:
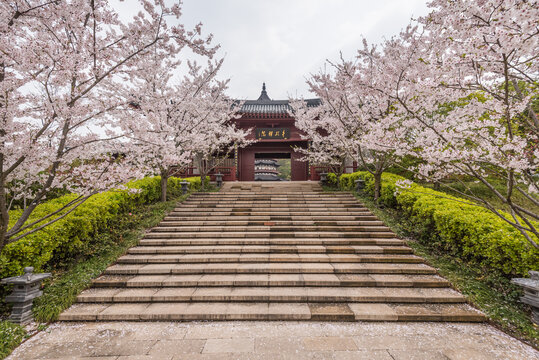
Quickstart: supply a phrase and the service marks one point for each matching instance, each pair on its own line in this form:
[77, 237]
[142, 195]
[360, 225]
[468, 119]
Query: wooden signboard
[272, 133]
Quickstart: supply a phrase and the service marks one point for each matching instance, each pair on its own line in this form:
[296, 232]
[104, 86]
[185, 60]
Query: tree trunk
[164, 179]
[377, 185]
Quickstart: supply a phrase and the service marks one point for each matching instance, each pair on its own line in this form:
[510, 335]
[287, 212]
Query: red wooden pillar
[299, 168]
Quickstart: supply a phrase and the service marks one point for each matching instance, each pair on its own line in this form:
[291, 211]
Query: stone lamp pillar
[360, 185]
[25, 290]
[531, 293]
[219, 179]
[323, 178]
[185, 186]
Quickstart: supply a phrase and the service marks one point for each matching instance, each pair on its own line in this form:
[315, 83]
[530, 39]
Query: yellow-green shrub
[332, 180]
[68, 235]
[458, 226]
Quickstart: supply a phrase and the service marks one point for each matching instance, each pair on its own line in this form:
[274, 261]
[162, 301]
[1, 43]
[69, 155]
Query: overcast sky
[282, 41]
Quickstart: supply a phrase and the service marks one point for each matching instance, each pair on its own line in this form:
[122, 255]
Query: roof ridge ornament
[264, 95]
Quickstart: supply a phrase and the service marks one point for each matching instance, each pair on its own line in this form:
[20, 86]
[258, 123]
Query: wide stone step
[280, 208]
[283, 204]
[317, 218]
[167, 233]
[225, 311]
[296, 225]
[213, 280]
[156, 239]
[272, 213]
[271, 268]
[275, 249]
[273, 294]
[265, 258]
[277, 208]
[178, 227]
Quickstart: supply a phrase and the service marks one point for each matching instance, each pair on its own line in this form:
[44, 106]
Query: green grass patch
[11, 335]
[488, 290]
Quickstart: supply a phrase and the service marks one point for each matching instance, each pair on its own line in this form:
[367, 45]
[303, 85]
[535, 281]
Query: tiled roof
[265, 106]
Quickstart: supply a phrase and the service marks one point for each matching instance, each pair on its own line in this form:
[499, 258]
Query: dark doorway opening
[272, 166]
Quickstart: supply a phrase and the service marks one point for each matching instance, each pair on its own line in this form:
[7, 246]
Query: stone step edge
[272, 261]
[260, 249]
[165, 233]
[155, 241]
[272, 294]
[277, 283]
[123, 269]
[272, 311]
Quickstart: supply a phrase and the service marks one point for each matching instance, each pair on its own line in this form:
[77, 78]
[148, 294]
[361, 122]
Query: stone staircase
[271, 251]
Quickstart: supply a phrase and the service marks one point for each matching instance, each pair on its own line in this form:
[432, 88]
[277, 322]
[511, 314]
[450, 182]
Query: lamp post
[25, 290]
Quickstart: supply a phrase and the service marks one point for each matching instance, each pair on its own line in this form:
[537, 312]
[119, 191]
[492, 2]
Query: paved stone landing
[271, 251]
[273, 341]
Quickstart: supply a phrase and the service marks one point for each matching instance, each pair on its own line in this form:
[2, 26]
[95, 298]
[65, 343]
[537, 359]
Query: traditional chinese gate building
[276, 136]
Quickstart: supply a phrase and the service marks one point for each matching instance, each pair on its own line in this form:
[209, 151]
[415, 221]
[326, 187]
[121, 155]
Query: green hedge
[72, 236]
[455, 225]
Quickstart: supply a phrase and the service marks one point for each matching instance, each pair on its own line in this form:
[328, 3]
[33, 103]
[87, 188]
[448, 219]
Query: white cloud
[282, 41]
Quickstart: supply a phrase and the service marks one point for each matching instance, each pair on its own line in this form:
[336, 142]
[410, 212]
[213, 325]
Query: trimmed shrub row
[71, 236]
[455, 225]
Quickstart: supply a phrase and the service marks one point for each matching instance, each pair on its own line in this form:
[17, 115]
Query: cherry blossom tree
[60, 78]
[464, 84]
[178, 122]
[352, 120]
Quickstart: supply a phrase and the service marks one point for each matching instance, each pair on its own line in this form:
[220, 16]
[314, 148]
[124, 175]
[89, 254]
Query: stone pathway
[271, 251]
[273, 341]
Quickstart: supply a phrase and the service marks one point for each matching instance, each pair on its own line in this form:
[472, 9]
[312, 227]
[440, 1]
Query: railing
[229, 173]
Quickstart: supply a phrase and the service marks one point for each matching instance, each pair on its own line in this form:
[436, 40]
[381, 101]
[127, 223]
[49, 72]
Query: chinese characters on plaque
[272, 133]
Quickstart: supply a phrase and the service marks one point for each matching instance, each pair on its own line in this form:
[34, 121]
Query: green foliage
[11, 336]
[455, 225]
[285, 169]
[332, 180]
[72, 236]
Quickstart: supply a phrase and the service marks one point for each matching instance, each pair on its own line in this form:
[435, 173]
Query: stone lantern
[360, 185]
[531, 293]
[26, 288]
[219, 179]
[185, 186]
[323, 178]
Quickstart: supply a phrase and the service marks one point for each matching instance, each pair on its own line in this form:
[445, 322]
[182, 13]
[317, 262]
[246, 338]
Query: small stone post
[531, 293]
[360, 185]
[219, 179]
[323, 178]
[25, 290]
[185, 186]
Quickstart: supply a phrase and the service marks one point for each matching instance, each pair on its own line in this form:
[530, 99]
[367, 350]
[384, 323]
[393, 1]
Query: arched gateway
[276, 136]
